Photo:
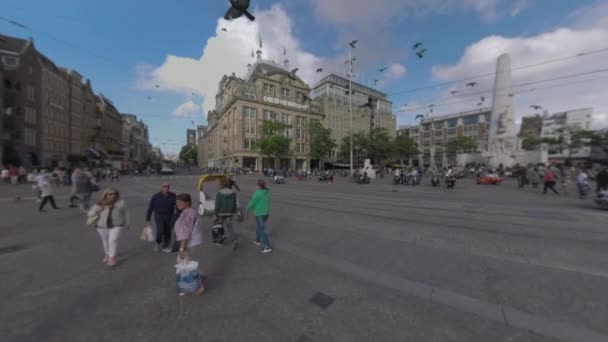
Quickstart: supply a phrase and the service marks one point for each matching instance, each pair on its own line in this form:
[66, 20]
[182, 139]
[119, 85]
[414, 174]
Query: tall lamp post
[350, 99]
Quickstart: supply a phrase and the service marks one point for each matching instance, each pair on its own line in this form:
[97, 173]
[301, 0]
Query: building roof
[12, 44]
[457, 115]
[357, 87]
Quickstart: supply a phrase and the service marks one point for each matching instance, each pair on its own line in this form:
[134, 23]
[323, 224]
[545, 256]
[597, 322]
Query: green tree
[273, 142]
[404, 147]
[460, 145]
[321, 142]
[360, 144]
[189, 154]
[379, 145]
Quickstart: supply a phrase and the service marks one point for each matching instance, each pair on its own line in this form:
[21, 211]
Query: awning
[94, 153]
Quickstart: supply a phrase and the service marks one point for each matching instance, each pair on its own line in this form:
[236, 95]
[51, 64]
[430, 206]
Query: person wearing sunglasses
[110, 216]
[162, 204]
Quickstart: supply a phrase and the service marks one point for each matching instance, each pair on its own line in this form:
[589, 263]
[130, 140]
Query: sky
[162, 61]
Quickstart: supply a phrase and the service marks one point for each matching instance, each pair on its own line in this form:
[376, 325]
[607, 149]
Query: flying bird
[238, 8]
[383, 69]
[224, 29]
[157, 86]
[480, 103]
[420, 53]
[511, 95]
[471, 84]
[352, 44]
[149, 98]
[536, 107]
[483, 99]
[417, 45]
[292, 73]
[319, 70]
[431, 105]
[419, 116]
[192, 123]
[376, 82]
[453, 92]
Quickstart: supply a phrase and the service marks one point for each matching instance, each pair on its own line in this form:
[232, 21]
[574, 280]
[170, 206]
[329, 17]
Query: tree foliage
[461, 144]
[189, 153]
[404, 147]
[321, 142]
[273, 142]
[360, 142]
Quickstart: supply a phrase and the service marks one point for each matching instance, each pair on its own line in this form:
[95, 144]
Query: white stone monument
[502, 142]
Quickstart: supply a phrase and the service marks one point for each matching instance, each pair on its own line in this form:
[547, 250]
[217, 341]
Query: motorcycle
[396, 180]
[435, 180]
[363, 180]
[450, 183]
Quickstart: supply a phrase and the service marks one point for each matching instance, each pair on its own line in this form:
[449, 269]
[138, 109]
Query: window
[301, 147]
[285, 92]
[31, 93]
[287, 132]
[452, 123]
[470, 120]
[270, 115]
[10, 62]
[300, 134]
[250, 113]
[30, 115]
[452, 131]
[250, 127]
[249, 144]
[301, 121]
[299, 96]
[251, 96]
[286, 119]
[30, 136]
[268, 88]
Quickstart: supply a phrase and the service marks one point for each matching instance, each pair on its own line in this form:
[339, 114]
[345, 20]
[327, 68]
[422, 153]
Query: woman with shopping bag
[109, 216]
[188, 234]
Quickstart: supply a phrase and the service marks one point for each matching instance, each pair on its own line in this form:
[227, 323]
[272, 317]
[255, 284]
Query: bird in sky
[417, 45]
[453, 92]
[157, 86]
[471, 84]
[419, 116]
[292, 73]
[238, 8]
[536, 107]
[431, 105]
[383, 69]
[420, 53]
[511, 95]
[483, 99]
[352, 44]
[480, 103]
[376, 82]
[148, 97]
[224, 29]
[319, 70]
[192, 123]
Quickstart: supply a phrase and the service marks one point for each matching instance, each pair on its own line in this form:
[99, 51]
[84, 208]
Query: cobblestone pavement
[352, 262]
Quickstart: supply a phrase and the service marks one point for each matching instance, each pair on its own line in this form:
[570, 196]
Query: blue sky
[127, 47]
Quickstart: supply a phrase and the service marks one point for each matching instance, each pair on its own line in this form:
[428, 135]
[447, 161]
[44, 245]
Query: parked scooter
[435, 180]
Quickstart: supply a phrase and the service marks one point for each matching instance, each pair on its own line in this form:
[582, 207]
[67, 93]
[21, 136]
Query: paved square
[483, 263]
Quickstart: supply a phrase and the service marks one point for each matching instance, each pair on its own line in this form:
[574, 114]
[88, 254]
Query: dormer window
[268, 88]
[284, 92]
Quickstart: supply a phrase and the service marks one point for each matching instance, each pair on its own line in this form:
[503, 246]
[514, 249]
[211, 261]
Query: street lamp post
[350, 99]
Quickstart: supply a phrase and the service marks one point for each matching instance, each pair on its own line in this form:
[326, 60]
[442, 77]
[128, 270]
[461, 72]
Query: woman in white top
[110, 216]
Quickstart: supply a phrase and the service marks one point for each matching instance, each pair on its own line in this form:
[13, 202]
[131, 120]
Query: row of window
[285, 92]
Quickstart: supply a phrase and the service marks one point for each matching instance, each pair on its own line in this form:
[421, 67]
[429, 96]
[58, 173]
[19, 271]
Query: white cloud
[369, 15]
[585, 91]
[187, 109]
[230, 52]
[396, 71]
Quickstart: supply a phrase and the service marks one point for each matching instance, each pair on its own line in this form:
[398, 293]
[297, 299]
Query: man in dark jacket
[225, 208]
[162, 205]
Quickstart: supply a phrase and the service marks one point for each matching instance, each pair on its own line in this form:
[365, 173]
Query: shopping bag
[187, 276]
[147, 234]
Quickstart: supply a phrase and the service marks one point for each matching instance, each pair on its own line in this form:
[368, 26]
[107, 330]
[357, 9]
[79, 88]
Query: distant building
[333, 97]
[22, 133]
[191, 137]
[269, 92]
[531, 126]
[559, 124]
[433, 134]
[111, 131]
[202, 147]
[135, 142]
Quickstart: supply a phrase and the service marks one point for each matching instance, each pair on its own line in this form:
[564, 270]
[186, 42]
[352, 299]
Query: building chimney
[259, 54]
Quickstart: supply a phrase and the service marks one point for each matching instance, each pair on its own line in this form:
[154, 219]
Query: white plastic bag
[147, 234]
[187, 276]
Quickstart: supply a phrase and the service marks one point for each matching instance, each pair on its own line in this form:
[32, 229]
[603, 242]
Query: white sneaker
[255, 243]
[266, 250]
[167, 250]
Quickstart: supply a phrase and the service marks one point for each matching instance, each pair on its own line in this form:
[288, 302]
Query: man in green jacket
[225, 208]
[260, 204]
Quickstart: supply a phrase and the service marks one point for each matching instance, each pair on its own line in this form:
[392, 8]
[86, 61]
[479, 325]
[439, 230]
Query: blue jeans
[260, 232]
[163, 230]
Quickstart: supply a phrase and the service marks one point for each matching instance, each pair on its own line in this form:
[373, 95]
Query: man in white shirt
[582, 182]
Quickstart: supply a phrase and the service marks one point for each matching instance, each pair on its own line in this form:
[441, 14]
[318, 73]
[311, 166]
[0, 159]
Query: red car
[489, 179]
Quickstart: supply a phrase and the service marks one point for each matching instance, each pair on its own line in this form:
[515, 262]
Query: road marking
[494, 312]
